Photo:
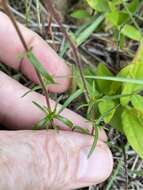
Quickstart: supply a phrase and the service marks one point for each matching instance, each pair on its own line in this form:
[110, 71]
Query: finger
[11, 47]
[21, 113]
[50, 160]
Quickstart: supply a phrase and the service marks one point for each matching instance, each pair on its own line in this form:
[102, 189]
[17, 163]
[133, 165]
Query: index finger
[11, 47]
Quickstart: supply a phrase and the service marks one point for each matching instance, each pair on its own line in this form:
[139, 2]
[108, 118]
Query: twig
[8, 12]
[57, 18]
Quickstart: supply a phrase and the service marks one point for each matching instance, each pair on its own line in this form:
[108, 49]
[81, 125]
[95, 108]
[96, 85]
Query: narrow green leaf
[80, 129]
[40, 107]
[70, 99]
[133, 130]
[116, 79]
[31, 90]
[85, 34]
[118, 96]
[48, 79]
[95, 139]
[65, 121]
[42, 124]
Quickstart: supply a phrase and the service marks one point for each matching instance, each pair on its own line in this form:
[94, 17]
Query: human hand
[39, 160]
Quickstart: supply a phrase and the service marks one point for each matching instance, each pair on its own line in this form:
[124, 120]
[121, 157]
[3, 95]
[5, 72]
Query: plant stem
[131, 16]
[57, 18]
[45, 92]
[8, 12]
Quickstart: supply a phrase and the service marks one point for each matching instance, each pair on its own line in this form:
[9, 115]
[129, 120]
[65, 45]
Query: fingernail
[97, 167]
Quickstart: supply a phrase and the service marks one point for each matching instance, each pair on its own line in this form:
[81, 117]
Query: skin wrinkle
[30, 152]
[72, 160]
[45, 147]
[42, 171]
[17, 168]
[49, 154]
[59, 164]
[62, 166]
[75, 166]
[69, 158]
[34, 162]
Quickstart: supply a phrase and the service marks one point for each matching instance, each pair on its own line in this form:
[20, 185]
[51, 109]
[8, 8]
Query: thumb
[49, 160]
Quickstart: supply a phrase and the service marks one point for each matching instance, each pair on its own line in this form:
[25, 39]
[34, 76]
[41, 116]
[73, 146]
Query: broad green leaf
[133, 130]
[117, 18]
[133, 71]
[133, 5]
[137, 102]
[103, 86]
[113, 17]
[131, 32]
[107, 109]
[48, 79]
[116, 121]
[80, 14]
[99, 5]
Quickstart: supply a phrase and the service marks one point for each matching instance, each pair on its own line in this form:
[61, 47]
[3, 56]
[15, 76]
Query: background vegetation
[104, 47]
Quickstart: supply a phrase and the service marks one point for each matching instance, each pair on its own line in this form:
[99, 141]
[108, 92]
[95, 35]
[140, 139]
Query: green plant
[119, 15]
[110, 99]
[117, 99]
[45, 79]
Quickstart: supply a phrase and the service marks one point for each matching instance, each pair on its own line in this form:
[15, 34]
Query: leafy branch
[41, 72]
[57, 18]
